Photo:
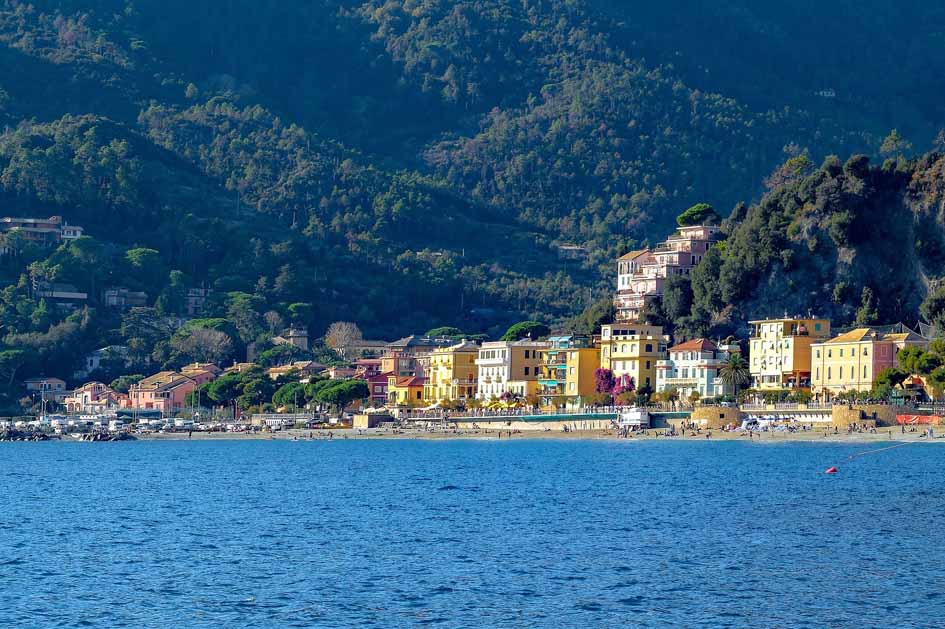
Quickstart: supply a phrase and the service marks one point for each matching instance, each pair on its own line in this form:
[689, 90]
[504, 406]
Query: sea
[454, 533]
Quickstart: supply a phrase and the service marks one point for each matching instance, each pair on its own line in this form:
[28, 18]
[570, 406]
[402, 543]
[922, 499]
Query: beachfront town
[792, 368]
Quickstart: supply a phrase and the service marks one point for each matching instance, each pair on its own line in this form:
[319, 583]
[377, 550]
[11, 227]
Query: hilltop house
[641, 274]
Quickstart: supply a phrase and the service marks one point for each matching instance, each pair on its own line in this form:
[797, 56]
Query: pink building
[377, 385]
[642, 274]
[166, 392]
[93, 398]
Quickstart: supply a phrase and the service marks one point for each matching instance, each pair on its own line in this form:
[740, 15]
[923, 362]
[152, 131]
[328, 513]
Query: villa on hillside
[642, 274]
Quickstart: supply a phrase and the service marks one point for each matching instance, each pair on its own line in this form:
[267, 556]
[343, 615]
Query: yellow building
[405, 391]
[568, 368]
[633, 349]
[780, 352]
[509, 368]
[851, 361]
[452, 374]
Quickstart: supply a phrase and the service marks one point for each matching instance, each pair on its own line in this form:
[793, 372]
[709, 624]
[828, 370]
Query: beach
[818, 435]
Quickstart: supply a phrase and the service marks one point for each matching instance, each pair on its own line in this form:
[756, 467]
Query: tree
[11, 360]
[343, 392]
[735, 373]
[444, 332]
[204, 345]
[868, 312]
[526, 329]
[698, 214]
[289, 394]
[677, 297]
[173, 299]
[911, 358]
[341, 337]
[894, 145]
[122, 384]
[281, 354]
[892, 377]
[604, 380]
[933, 306]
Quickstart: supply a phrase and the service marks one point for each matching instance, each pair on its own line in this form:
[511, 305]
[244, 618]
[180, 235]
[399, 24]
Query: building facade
[568, 369]
[509, 369]
[165, 392]
[633, 349]
[46, 232]
[693, 367]
[452, 375]
[405, 391]
[780, 352]
[642, 274]
[851, 361]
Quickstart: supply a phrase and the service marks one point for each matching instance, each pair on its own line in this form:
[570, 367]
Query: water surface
[466, 533]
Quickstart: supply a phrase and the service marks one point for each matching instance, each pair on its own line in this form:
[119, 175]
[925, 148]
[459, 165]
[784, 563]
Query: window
[864, 371]
[647, 366]
[817, 327]
[649, 348]
[866, 351]
[526, 371]
[817, 374]
[829, 353]
[841, 353]
[828, 373]
[818, 353]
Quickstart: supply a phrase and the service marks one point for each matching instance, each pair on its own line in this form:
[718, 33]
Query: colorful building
[633, 349]
[45, 232]
[452, 374]
[780, 352]
[92, 398]
[165, 392]
[377, 386]
[642, 274]
[509, 369]
[405, 391]
[693, 367]
[410, 355]
[851, 361]
[567, 370]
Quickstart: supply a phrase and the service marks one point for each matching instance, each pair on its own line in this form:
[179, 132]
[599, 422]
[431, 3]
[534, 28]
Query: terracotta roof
[633, 255]
[853, 336]
[695, 345]
[411, 381]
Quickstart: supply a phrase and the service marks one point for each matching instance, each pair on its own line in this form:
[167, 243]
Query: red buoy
[831, 470]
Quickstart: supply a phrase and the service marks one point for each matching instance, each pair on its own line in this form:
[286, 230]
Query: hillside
[419, 163]
[855, 242]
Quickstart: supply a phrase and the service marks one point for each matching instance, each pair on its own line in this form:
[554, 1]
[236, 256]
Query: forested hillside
[419, 163]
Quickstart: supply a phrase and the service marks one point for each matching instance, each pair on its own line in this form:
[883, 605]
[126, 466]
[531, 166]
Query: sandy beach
[881, 435]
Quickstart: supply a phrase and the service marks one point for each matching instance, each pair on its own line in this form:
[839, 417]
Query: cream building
[633, 349]
[851, 361]
[512, 367]
[452, 374]
[780, 352]
[693, 367]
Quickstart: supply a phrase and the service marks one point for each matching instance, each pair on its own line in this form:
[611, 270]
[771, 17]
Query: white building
[512, 367]
[694, 366]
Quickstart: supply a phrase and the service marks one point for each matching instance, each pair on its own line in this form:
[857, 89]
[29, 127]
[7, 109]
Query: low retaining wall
[869, 414]
[715, 416]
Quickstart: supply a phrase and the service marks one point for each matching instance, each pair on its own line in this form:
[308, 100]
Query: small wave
[448, 488]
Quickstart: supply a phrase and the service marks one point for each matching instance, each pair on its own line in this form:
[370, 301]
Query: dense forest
[409, 164]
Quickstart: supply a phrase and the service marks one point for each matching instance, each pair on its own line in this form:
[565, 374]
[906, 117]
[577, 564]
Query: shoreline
[881, 435]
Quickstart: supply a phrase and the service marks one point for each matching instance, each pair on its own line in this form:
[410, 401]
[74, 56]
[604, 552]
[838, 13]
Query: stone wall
[715, 417]
[869, 414]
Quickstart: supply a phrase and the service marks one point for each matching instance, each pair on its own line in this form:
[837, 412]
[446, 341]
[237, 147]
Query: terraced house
[851, 361]
[567, 370]
[509, 369]
[780, 351]
[452, 375]
[633, 349]
[693, 367]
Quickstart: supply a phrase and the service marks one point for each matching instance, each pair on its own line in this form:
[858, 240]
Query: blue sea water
[470, 534]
